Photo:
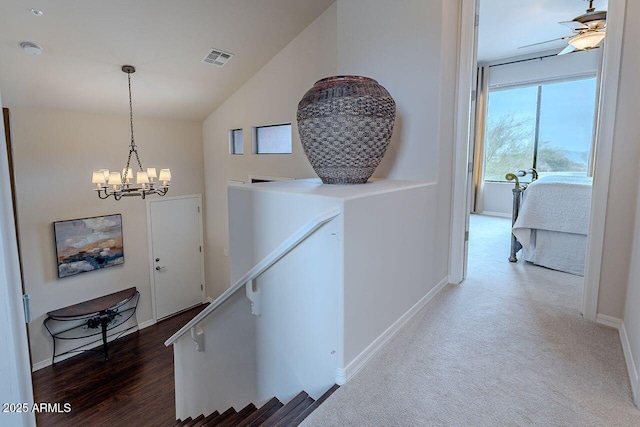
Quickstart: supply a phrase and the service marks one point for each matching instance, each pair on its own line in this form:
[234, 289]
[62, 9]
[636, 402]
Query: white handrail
[266, 262]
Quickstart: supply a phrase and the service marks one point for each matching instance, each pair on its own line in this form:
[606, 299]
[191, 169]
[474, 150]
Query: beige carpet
[506, 347]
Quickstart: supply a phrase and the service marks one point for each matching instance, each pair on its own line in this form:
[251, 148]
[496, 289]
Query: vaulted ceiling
[85, 43]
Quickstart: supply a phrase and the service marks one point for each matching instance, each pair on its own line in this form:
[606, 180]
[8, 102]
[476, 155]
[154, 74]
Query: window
[547, 126]
[273, 139]
[236, 141]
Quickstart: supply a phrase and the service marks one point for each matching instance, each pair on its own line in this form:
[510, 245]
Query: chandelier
[116, 185]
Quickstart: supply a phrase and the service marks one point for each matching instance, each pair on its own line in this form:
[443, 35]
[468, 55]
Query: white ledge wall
[410, 47]
[386, 248]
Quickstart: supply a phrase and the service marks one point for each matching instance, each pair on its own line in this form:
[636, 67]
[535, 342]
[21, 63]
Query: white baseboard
[631, 365]
[345, 374]
[210, 300]
[143, 325]
[44, 363]
[612, 322]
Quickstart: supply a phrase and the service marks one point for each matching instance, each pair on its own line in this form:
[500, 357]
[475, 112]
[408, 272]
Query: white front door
[175, 232]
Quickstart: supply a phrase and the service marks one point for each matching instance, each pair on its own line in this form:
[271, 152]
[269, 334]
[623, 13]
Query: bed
[551, 220]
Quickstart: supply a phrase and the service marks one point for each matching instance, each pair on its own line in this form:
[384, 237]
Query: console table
[92, 318]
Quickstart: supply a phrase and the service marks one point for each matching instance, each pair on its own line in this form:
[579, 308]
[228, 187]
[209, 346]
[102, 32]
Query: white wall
[410, 48]
[630, 334]
[623, 185]
[497, 198]
[297, 335]
[389, 264]
[271, 96]
[54, 155]
[15, 386]
[295, 343]
[618, 238]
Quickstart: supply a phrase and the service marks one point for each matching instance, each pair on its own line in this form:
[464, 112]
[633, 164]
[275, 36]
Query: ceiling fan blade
[548, 41]
[576, 26]
[566, 50]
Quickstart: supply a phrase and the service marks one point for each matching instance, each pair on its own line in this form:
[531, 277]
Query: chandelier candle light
[118, 186]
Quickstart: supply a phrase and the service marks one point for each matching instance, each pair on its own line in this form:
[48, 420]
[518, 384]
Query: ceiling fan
[588, 28]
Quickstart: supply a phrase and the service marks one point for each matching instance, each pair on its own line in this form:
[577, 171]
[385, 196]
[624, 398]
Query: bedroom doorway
[604, 133]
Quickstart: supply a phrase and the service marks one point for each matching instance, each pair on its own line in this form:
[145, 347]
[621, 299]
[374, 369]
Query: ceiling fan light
[587, 40]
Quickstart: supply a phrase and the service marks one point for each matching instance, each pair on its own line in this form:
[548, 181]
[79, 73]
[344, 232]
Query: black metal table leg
[104, 321]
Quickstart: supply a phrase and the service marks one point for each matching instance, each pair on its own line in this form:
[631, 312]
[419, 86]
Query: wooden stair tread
[208, 418]
[314, 405]
[220, 418]
[233, 420]
[288, 419]
[282, 412]
[271, 414]
[262, 414]
[195, 421]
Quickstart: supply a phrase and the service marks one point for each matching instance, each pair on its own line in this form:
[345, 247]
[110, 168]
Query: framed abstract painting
[88, 244]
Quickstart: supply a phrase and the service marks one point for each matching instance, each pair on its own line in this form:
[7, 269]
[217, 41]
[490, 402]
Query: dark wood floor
[135, 387]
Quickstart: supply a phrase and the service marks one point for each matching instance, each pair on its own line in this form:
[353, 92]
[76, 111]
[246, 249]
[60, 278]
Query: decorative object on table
[345, 125]
[121, 184]
[105, 316]
[88, 244]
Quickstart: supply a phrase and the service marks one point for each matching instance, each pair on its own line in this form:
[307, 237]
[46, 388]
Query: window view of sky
[565, 128]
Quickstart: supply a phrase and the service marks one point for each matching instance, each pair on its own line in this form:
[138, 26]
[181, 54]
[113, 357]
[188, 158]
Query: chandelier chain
[134, 148]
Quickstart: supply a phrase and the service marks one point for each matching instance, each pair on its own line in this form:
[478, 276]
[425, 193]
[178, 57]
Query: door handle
[158, 268]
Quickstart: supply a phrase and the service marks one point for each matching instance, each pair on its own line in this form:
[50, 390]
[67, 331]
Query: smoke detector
[31, 48]
[217, 57]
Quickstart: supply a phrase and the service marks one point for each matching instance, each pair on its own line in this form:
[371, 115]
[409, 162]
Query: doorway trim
[604, 134]
[150, 246]
[460, 202]
[612, 56]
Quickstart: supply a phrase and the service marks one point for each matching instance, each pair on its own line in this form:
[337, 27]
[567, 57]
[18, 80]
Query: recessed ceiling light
[37, 12]
[31, 48]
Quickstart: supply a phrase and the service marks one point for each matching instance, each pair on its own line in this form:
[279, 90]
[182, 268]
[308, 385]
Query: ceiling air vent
[217, 57]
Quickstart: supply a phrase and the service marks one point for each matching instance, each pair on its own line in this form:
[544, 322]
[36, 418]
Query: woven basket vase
[345, 125]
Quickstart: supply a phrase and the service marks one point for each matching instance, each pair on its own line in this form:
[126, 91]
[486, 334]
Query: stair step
[233, 420]
[314, 406]
[261, 414]
[282, 412]
[195, 421]
[288, 419]
[205, 420]
[271, 414]
[220, 418]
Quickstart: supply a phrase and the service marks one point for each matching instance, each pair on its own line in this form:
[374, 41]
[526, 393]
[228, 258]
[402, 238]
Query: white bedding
[555, 204]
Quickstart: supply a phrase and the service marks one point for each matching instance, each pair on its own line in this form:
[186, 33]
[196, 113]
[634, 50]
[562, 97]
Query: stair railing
[247, 279]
